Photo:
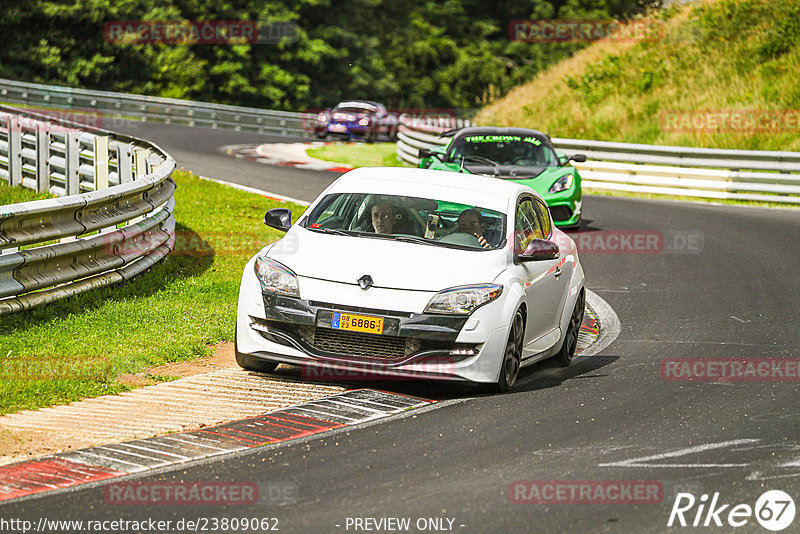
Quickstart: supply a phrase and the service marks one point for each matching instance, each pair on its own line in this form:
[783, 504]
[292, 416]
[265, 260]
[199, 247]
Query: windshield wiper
[330, 231]
[412, 239]
[402, 238]
[480, 159]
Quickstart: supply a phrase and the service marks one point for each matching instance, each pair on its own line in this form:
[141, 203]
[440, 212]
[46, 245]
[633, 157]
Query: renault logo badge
[365, 282]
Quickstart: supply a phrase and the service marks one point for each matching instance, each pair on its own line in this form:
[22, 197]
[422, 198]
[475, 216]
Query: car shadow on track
[585, 226]
[542, 375]
[548, 374]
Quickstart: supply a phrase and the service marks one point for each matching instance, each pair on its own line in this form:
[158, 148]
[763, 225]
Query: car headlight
[463, 300]
[364, 121]
[276, 277]
[562, 184]
[322, 117]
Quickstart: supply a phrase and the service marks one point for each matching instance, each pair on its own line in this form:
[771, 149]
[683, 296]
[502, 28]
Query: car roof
[466, 188]
[496, 130]
[368, 104]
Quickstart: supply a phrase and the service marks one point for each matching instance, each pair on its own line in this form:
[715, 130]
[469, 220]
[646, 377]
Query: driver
[471, 222]
[384, 217]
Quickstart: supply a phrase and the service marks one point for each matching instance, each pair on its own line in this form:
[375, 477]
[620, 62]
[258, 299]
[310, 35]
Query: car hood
[507, 171]
[391, 264]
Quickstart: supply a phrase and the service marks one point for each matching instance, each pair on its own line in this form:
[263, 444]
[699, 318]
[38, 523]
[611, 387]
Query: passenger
[471, 222]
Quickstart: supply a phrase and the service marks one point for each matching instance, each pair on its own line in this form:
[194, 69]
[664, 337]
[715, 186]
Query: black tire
[251, 363]
[321, 135]
[512, 356]
[567, 351]
[372, 136]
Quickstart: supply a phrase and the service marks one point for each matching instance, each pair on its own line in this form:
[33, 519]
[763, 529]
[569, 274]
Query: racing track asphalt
[608, 417]
[198, 150]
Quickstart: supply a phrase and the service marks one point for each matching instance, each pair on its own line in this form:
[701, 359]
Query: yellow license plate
[357, 323]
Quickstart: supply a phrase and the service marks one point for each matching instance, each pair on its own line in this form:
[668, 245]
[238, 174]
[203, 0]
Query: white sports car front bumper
[414, 344]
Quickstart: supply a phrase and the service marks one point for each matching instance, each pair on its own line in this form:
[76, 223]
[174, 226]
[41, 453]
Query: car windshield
[421, 220]
[355, 107]
[521, 150]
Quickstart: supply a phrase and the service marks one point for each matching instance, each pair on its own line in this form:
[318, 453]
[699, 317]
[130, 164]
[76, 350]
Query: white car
[401, 273]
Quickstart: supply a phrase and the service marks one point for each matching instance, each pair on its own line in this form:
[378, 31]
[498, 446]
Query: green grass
[76, 348]
[740, 55]
[13, 195]
[359, 154]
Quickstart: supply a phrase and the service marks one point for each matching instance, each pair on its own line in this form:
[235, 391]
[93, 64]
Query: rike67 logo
[774, 510]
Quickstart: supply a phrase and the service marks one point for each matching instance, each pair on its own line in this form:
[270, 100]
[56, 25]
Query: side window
[544, 218]
[527, 226]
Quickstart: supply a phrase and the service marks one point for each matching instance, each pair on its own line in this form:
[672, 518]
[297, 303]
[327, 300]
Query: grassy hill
[717, 61]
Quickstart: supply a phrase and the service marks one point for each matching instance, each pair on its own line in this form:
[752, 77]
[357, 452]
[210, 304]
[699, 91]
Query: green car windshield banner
[501, 139]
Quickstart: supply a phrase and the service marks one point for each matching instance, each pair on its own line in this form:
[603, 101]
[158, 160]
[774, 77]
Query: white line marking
[638, 462]
[196, 443]
[351, 406]
[757, 475]
[87, 452]
[257, 191]
[129, 453]
[179, 456]
[322, 413]
[382, 405]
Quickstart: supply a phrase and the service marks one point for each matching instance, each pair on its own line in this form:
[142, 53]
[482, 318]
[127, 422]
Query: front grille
[359, 345]
[560, 213]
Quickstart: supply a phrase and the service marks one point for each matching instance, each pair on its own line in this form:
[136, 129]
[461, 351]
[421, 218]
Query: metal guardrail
[666, 170]
[113, 219]
[415, 133]
[139, 107]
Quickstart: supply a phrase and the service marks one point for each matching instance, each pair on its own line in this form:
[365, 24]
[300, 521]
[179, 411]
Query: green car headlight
[463, 300]
[562, 184]
[276, 277]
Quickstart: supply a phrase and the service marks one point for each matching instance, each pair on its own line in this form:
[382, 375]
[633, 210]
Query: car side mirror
[425, 153]
[540, 249]
[580, 158]
[279, 218]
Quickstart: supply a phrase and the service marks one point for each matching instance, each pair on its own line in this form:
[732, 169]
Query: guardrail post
[139, 170]
[139, 163]
[124, 168]
[100, 162]
[14, 150]
[72, 152]
[42, 158]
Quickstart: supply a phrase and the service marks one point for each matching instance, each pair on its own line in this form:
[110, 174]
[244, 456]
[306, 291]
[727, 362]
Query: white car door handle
[557, 273]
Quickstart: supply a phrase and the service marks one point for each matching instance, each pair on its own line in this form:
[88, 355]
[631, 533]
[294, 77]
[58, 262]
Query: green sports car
[517, 154]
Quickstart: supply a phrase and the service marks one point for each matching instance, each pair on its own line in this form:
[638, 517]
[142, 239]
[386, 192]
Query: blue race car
[357, 118]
